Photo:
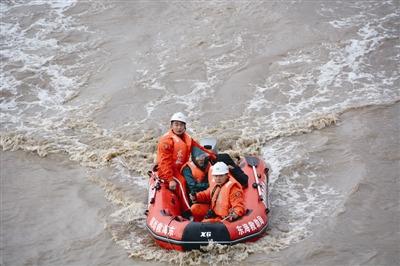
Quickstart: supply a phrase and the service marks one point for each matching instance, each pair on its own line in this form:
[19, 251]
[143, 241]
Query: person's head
[201, 161]
[178, 123]
[199, 158]
[220, 173]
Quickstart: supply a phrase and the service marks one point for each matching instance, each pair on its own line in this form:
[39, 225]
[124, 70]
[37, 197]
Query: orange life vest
[224, 198]
[172, 151]
[220, 198]
[198, 174]
[182, 148]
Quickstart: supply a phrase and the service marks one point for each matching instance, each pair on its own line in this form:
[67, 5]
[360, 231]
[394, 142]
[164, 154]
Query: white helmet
[178, 117]
[220, 168]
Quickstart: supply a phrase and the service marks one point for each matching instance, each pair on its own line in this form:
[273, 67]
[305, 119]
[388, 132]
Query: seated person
[222, 200]
[196, 171]
[234, 169]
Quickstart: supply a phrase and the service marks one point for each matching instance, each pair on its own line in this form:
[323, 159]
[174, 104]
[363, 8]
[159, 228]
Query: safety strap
[182, 192]
[212, 194]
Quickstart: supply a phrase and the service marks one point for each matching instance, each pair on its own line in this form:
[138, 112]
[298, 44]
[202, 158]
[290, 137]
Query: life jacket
[180, 153]
[182, 147]
[220, 196]
[198, 174]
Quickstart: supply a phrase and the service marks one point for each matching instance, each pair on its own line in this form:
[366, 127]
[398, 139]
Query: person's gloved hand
[233, 216]
[213, 156]
[193, 197]
[172, 185]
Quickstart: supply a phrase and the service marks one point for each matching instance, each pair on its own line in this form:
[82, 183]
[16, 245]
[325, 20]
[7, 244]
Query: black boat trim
[182, 243]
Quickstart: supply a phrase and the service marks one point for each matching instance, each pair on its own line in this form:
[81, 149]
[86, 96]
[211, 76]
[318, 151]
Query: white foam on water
[122, 173]
[258, 102]
[346, 22]
[221, 63]
[351, 56]
[297, 57]
[36, 114]
[229, 60]
[7, 105]
[8, 84]
[199, 91]
[322, 87]
[35, 54]
[297, 199]
[61, 5]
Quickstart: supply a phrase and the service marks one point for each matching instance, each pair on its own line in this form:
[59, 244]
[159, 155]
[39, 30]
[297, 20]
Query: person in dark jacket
[196, 171]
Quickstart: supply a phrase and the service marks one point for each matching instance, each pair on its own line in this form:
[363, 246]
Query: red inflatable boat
[172, 233]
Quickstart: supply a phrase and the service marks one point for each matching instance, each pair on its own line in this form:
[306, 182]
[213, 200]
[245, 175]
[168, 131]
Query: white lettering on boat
[251, 226]
[205, 234]
[161, 228]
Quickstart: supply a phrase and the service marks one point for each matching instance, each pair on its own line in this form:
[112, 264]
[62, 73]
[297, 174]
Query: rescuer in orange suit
[224, 198]
[173, 151]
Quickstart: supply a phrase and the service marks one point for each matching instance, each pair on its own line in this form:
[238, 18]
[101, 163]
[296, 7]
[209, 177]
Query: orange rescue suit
[173, 152]
[223, 199]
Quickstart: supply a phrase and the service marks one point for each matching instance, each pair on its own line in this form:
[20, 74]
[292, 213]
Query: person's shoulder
[236, 190]
[186, 166]
[186, 169]
[234, 183]
[167, 135]
[187, 135]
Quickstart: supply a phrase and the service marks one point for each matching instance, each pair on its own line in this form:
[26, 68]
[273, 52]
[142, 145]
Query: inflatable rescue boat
[172, 233]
